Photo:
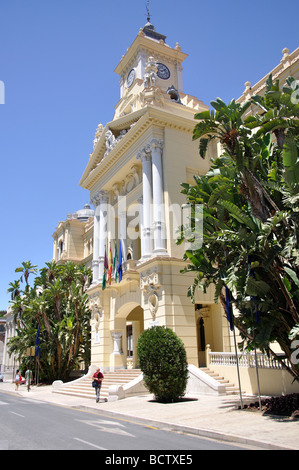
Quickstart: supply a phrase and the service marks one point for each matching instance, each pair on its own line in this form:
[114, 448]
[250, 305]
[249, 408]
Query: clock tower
[149, 63]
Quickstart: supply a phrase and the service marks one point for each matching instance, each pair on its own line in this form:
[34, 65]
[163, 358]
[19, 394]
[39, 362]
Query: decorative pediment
[124, 187]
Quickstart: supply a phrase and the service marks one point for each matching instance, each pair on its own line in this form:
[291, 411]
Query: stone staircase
[82, 387]
[230, 389]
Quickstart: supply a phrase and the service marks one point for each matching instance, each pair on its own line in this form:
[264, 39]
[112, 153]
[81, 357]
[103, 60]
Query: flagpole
[255, 353]
[256, 370]
[238, 371]
[230, 318]
[257, 379]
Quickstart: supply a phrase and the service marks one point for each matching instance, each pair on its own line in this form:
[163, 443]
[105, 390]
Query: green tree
[250, 248]
[162, 359]
[26, 269]
[14, 289]
[58, 305]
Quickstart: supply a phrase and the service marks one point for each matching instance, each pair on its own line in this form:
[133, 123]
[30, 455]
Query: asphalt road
[28, 424]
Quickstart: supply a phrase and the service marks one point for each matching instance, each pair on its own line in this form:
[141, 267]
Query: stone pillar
[96, 240]
[117, 346]
[103, 197]
[158, 198]
[145, 157]
[55, 245]
[140, 200]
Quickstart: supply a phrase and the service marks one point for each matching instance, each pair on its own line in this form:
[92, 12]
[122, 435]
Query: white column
[140, 200]
[104, 197]
[145, 157]
[96, 240]
[158, 198]
[55, 249]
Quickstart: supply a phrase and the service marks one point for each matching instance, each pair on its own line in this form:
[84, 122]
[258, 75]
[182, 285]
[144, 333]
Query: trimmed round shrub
[163, 361]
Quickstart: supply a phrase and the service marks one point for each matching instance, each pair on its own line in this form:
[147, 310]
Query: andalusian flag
[110, 266]
[115, 259]
[105, 271]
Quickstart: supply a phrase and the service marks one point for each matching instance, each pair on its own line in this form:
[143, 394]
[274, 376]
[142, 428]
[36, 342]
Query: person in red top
[97, 378]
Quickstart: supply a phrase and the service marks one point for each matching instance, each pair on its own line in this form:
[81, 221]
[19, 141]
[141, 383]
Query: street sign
[31, 351]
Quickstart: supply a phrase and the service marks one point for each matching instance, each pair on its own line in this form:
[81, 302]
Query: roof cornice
[152, 117]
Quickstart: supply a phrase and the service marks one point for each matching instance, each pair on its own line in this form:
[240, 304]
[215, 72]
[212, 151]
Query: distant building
[73, 238]
[9, 363]
[2, 342]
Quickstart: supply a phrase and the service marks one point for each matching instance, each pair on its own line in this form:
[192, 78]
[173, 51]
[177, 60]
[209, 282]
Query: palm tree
[26, 269]
[14, 289]
[250, 209]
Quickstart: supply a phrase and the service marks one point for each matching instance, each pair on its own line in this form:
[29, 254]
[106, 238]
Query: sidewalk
[207, 416]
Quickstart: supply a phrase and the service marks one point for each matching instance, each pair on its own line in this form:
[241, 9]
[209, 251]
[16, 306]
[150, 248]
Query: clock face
[163, 71]
[130, 78]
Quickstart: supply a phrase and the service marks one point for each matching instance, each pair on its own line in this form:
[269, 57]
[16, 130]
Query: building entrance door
[134, 327]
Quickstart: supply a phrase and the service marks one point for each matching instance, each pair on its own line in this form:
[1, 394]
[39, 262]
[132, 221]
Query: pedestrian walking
[97, 379]
[18, 379]
[28, 377]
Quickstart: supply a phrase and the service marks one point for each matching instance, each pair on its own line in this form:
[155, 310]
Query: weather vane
[147, 10]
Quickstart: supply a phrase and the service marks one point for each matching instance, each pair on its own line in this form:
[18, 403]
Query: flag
[37, 342]
[254, 299]
[115, 259]
[120, 260]
[105, 271]
[229, 309]
[110, 266]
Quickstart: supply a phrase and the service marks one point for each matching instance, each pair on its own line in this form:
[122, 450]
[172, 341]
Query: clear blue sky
[57, 61]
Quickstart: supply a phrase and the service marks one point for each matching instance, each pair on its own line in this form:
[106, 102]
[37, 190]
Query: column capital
[100, 196]
[144, 154]
[156, 144]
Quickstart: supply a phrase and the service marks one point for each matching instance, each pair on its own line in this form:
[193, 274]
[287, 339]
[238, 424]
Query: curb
[216, 435]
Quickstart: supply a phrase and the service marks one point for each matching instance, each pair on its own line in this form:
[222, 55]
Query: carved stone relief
[111, 140]
[125, 186]
[98, 134]
[150, 76]
[149, 283]
[96, 310]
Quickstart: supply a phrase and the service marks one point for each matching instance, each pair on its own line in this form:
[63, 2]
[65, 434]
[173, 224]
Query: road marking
[103, 425]
[89, 444]
[33, 400]
[3, 403]
[17, 414]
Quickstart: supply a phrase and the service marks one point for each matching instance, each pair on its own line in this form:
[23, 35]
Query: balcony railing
[262, 361]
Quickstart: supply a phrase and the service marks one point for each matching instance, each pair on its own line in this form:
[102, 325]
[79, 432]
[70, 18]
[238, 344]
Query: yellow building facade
[134, 176]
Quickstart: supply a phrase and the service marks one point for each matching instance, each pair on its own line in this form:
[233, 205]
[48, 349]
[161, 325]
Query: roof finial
[147, 10]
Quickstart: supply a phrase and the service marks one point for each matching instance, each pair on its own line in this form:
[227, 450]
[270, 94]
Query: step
[83, 388]
[230, 389]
